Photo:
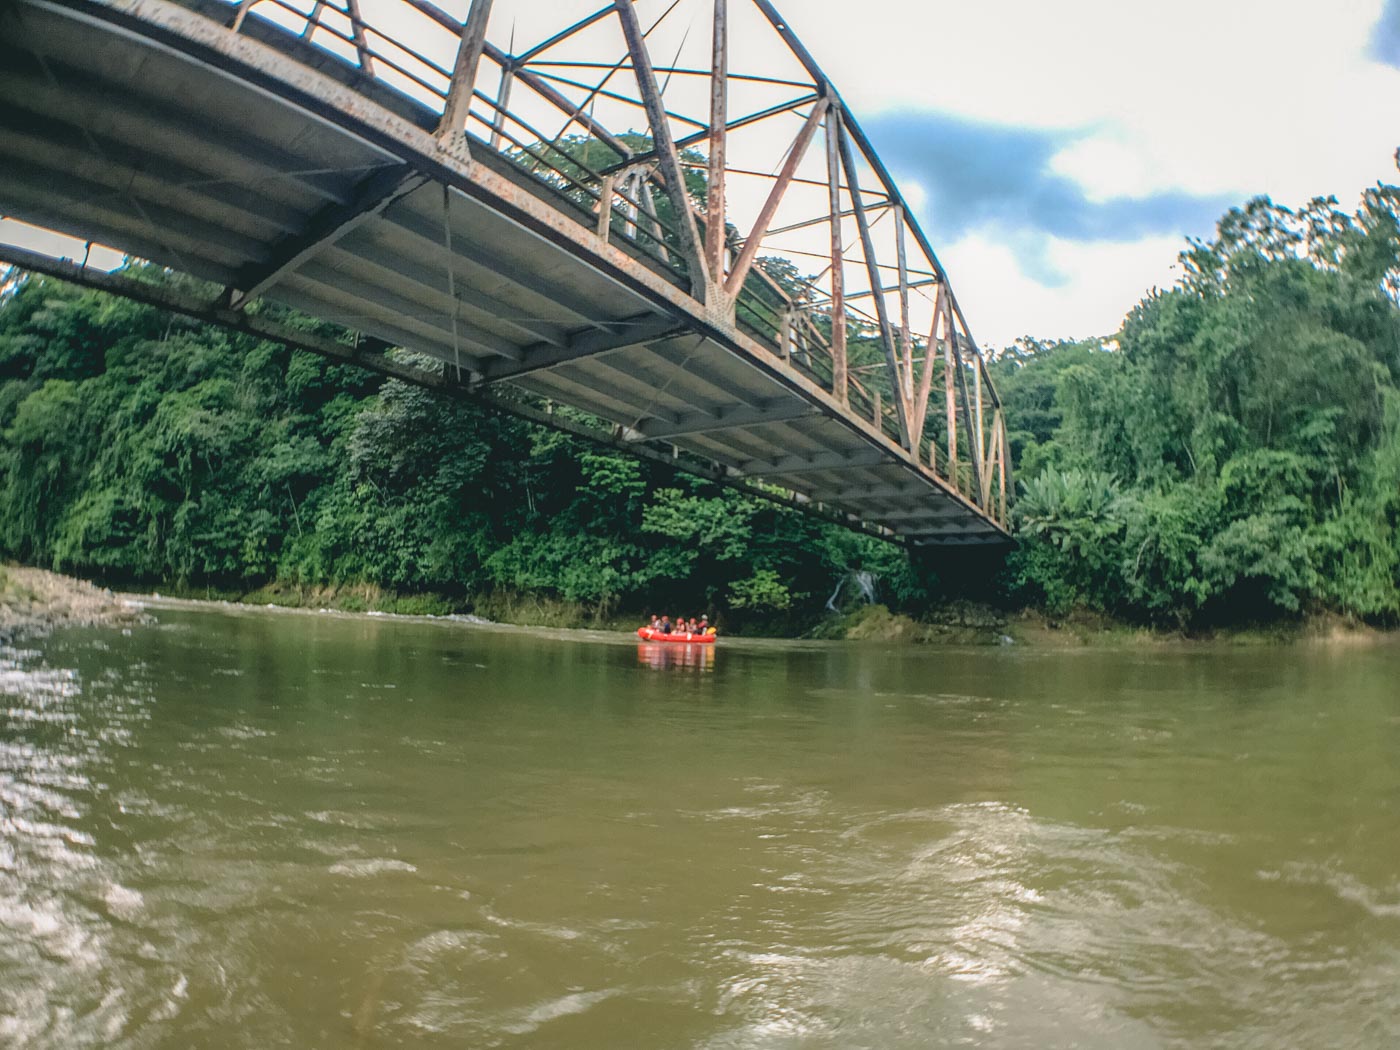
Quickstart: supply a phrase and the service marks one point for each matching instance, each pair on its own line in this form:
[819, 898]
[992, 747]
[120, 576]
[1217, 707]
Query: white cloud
[1201, 97]
[1102, 282]
[1206, 97]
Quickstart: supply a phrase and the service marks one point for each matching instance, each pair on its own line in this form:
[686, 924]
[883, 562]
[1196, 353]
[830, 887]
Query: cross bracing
[661, 213]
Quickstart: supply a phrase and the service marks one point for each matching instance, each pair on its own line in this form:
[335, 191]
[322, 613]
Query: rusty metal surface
[443, 190]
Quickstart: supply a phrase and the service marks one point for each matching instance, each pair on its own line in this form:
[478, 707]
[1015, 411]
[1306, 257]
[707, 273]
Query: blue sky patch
[980, 175]
[1385, 37]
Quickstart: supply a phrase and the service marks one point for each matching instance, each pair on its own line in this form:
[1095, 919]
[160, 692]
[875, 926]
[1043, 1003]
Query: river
[256, 829]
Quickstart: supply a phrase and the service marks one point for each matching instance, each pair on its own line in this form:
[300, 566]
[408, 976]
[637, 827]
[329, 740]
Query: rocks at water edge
[33, 601]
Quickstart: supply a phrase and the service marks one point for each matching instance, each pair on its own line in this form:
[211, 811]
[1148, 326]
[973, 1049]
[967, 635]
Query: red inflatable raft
[646, 634]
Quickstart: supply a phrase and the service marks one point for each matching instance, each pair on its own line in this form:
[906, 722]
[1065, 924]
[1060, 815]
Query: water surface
[256, 829]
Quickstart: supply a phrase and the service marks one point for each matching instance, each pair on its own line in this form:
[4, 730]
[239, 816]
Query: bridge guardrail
[870, 359]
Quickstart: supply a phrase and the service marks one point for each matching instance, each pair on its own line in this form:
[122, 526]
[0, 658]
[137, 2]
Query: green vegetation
[1232, 456]
[137, 447]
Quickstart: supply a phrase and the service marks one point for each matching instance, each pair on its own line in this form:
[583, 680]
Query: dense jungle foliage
[142, 447]
[1232, 455]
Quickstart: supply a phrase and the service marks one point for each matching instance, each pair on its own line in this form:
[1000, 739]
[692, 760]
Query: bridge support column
[702, 282]
[459, 92]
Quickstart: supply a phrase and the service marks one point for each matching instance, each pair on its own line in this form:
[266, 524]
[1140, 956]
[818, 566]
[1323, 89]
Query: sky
[1059, 154]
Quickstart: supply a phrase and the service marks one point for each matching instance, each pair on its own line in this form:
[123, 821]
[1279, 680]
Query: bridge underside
[257, 163]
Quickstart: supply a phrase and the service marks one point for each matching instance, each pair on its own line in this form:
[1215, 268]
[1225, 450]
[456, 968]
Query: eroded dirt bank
[34, 601]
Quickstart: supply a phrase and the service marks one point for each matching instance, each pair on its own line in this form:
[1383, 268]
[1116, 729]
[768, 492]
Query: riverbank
[34, 602]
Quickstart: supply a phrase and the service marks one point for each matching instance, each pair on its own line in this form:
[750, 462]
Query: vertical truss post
[242, 13]
[949, 365]
[498, 122]
[873, 270]
[459, 90]
[719, 117]
[313, 20]
[632, 186]
[643, 194]
[838, 268]
[357, 33]
[988, 469]
[999, 464]
[665, 145]
[920, 405]
[605, 197]
[982, 433]
[1005, 467]
[974, 458]
[981, 429]
[906, 344]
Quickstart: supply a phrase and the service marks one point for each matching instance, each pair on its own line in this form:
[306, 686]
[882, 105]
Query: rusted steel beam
[868, 248]
[700, 278]
[469, 52]
[920, 401]
[313, 20]
[981, 438]
[498, 122]
[906, 342]
[995, 461]
[775, 198]
[648, 209]
[605, 200]
[975, 459]
[716, 217]
[839, 376]
[950, 365]
[531, 214]
[369, 355]
[329, 225]
[357, 33]
[1004, 467]
[854, 129]
[536, 83]
[189, 304]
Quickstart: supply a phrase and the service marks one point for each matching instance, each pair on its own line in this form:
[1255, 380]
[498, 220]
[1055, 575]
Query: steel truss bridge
[658, 212]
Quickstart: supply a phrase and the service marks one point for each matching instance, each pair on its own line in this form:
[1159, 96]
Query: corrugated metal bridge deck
[153, 128]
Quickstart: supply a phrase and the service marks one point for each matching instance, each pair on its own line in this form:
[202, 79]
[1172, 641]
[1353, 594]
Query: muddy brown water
[253, 829]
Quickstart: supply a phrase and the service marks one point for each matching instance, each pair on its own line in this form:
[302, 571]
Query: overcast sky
[1061, 152]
